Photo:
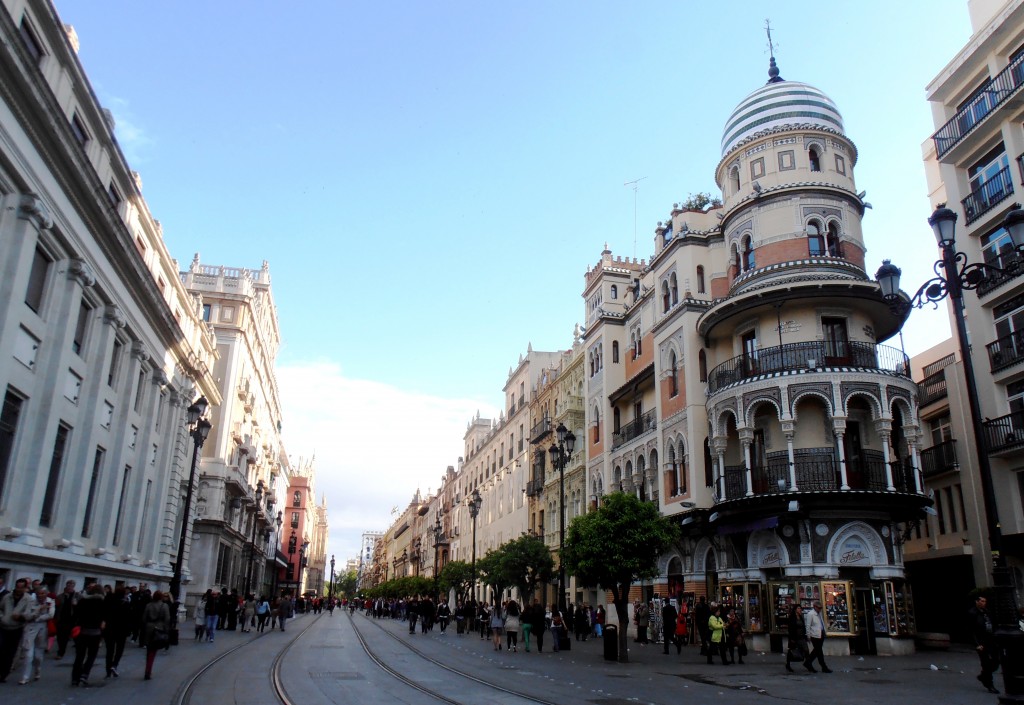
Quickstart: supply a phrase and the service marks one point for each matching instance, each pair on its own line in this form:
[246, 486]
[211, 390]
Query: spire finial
[773, 70]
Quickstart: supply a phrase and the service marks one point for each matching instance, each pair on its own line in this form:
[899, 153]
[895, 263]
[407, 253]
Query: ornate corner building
[742, 380]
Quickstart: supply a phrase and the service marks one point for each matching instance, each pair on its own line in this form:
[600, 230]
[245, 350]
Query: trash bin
[611, 642]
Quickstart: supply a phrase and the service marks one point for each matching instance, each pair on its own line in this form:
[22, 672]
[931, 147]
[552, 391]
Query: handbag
[159, 639]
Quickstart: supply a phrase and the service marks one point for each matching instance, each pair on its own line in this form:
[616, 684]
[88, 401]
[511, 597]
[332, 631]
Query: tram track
[440, 664]
[193, 683]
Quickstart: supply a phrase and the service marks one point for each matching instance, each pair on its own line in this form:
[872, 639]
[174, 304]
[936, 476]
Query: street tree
[491, 571]
[458, 576]
[526, 562]
[615, 546]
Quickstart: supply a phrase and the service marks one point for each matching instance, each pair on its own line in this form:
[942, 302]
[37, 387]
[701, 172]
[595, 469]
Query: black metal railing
[540, 429]
[1012, 266]
[1005, 432]
[1006, 351]
[534, 488]
[1006, 83]
[817, 470]
[813, 354]
[939, 459]
[988, 194]
[933, 387]
[636, 427]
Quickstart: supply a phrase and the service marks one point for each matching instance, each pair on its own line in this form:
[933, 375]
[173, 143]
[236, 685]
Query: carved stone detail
[32, 208]
[114, 316]
[79, 271]
[822, 388]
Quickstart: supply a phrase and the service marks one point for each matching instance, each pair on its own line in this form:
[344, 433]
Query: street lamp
[473, 502]
[954, 275]
[252, 543]
[303, 561]
[560, 455]
[277, 539]
[199, 430]
[330, 589]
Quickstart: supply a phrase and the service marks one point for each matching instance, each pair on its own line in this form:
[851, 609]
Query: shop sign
[853, 551]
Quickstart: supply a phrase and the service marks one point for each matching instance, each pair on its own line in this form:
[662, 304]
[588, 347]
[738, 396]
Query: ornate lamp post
[277, 539]
[199, 430]
[303, 561]
[473, 502]
[954, 275]
[438, 537]
[257, 510]
[330, 589]
[560, 455]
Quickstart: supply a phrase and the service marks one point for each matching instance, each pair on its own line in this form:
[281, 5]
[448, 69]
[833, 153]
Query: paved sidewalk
[170, 671]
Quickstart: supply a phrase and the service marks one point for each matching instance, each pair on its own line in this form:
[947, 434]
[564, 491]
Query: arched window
[615, 291]
[666, 298]
[702, 363]
[832, 240]
[700, 280]
[734, 179]
[674, 286]
[709, 477]
[815, 239]
[681, 467]
[814, 159]
[597, 425]
[617, 478]
[748, 253]
[738, 261]
[615, 351]
[673, 472]
[673, 377]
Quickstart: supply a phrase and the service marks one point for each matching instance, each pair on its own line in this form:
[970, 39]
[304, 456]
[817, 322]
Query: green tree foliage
[615, 546]
[345, 584]
[700, 201]
[526, 562]
[457, 576]
[491, 571]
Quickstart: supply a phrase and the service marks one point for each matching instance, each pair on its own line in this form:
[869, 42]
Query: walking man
[984, 642]
[816, 634]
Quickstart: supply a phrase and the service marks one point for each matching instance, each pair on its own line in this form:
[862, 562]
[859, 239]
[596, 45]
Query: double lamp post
[198, 430]
[560, 455]
[954, 275]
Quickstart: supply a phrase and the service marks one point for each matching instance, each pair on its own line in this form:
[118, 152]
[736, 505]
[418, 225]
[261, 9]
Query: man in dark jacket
[984, 642]
[64, 617]
[117, 614]
[668, 624]
[89, 620]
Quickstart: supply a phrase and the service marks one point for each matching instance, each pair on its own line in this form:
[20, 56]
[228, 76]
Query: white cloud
[133, 139]
[375, 444]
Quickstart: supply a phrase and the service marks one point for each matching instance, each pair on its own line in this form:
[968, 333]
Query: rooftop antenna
[635, 183]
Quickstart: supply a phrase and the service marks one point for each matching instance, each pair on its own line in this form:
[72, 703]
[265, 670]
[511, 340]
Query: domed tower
[812, 420]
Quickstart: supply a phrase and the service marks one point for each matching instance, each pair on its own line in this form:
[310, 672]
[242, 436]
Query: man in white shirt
[816, 634]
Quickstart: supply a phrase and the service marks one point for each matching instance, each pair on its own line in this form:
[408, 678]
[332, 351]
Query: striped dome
[779, 103]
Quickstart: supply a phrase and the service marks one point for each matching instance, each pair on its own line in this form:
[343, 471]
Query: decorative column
[913, 435]
[884, 429]
[721, 443]
[747, 439]
[789, 430]
[839, 428]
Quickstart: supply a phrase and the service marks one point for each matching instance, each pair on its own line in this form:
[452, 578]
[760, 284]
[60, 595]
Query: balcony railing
[1006, 83]
[1006, 351]
[817, 470]
[635, 428]
[988, 194]
[1005, 433]
[540, 429]
[933, 387]
[534, 488]
[939, 459]
[813, 354]
[1012, 266]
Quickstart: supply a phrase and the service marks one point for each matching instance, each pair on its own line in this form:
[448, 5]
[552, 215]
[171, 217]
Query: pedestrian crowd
[36, 622]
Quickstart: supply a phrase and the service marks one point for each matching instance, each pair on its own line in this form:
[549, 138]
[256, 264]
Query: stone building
[103, 349]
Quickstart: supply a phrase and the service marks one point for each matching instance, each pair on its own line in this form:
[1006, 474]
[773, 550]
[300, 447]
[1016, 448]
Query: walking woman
[249, 613]
[156, 625]
[717, 627]
[497, 624]
[734, 640]
[537, 620]
[796, 649]
[557, 628]
[512, 622]
[262, 613]
[34, 636]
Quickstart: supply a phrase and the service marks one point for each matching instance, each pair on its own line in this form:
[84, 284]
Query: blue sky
[430, 181]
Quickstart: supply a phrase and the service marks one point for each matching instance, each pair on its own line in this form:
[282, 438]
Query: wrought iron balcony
[988, 194]
[939, 459]
[1006, 84]
[1012, 267]
[1007, 351]
[813, 354]
[534, 488]
[817, 470]
[636, 427]
[1004, 433]
[933, 387]
[540, 429]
